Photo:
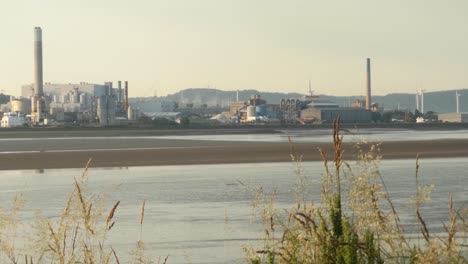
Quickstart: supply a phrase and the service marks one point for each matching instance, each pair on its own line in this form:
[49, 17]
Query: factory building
[327, 115]
[83, 102]
[291, 108]
[89, 102]
[67, 93]
[21, 105]
[12, 120]
[454, 117]
[155, 105]
[165, 115]
[39, 107]
[235, 107]
[255, 109]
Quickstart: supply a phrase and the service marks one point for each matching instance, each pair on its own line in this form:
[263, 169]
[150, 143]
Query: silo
[71, 97]
[21, 105]
[251, 112]
[101, 110]
[83, 99]
[63, 98]
[76, 95]
[130, 113]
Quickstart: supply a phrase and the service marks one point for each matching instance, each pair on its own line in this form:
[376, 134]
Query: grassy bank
[353, 222]
[350, 223]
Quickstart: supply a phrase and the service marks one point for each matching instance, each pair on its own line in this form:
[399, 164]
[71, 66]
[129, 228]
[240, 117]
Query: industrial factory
[309, 109]
[107, 104]
[45, 104]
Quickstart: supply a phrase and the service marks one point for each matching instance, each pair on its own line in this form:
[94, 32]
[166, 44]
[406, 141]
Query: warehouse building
[454, 117]
[327, 115]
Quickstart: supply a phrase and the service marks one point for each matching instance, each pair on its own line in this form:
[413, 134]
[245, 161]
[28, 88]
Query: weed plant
[355, 220]
[78, 235]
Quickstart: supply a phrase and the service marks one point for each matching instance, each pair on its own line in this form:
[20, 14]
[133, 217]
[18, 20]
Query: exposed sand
[179, 152]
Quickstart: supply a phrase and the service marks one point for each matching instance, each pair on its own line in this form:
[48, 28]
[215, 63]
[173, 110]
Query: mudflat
[68, 153]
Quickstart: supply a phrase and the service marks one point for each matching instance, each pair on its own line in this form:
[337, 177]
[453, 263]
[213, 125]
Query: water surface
[203, 213]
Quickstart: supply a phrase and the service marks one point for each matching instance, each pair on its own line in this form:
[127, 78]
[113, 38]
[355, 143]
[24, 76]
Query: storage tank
[250, 112]
[261, 110]
[76, 95]
[130, 113]
[83, 99]
[64, 98]
[101, 110]
[21, 105]
[58, 113]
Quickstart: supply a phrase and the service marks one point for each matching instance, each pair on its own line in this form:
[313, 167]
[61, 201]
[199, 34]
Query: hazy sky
[269, 45]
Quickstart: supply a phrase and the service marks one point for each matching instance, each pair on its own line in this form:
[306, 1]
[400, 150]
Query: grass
[78, 235]
[355, 220]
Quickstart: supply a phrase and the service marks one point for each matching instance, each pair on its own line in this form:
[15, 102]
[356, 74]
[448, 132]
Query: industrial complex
[48, 104]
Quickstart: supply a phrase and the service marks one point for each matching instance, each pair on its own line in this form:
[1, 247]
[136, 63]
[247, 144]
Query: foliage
[77, 235]
[349, 224]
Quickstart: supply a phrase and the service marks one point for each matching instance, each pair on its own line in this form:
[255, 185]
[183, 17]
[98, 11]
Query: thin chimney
[126, 96]
[368, 95]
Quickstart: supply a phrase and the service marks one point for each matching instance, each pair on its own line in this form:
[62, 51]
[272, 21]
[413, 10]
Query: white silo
[83, 99]
[251, 113]
[130, 113]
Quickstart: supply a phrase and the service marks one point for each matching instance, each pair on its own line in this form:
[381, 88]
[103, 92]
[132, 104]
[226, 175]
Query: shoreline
[192, 152]
[44, 132]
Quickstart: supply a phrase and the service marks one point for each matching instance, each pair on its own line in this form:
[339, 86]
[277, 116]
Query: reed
[78, 235]
[350, 224]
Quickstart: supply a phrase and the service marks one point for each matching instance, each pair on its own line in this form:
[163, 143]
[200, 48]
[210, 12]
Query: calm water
[202, 213]
[323, 135]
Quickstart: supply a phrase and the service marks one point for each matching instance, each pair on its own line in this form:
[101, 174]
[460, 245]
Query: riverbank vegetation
[355, 220]
[79, 234]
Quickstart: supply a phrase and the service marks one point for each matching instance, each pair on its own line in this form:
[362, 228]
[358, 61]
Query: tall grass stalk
[78, 235]
[350, 223]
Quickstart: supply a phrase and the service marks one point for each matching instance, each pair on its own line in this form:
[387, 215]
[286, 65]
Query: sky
[161, 47]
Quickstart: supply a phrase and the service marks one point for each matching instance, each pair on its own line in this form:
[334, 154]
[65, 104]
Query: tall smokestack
[126, 96]
[422, 101]
[457, 97]
[417, 101]
[368, 95]
[38, 78]
[119, 95]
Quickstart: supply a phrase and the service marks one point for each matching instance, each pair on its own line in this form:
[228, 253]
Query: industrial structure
[307, 109]
[420, 100]
[457, 116]
[453, 117]
[42, 102]
[38, 101]
[368, 90]
[103, 104]
[91, 103]
[13, 120]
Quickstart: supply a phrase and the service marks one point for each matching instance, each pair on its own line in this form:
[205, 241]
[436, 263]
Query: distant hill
[440, 102]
